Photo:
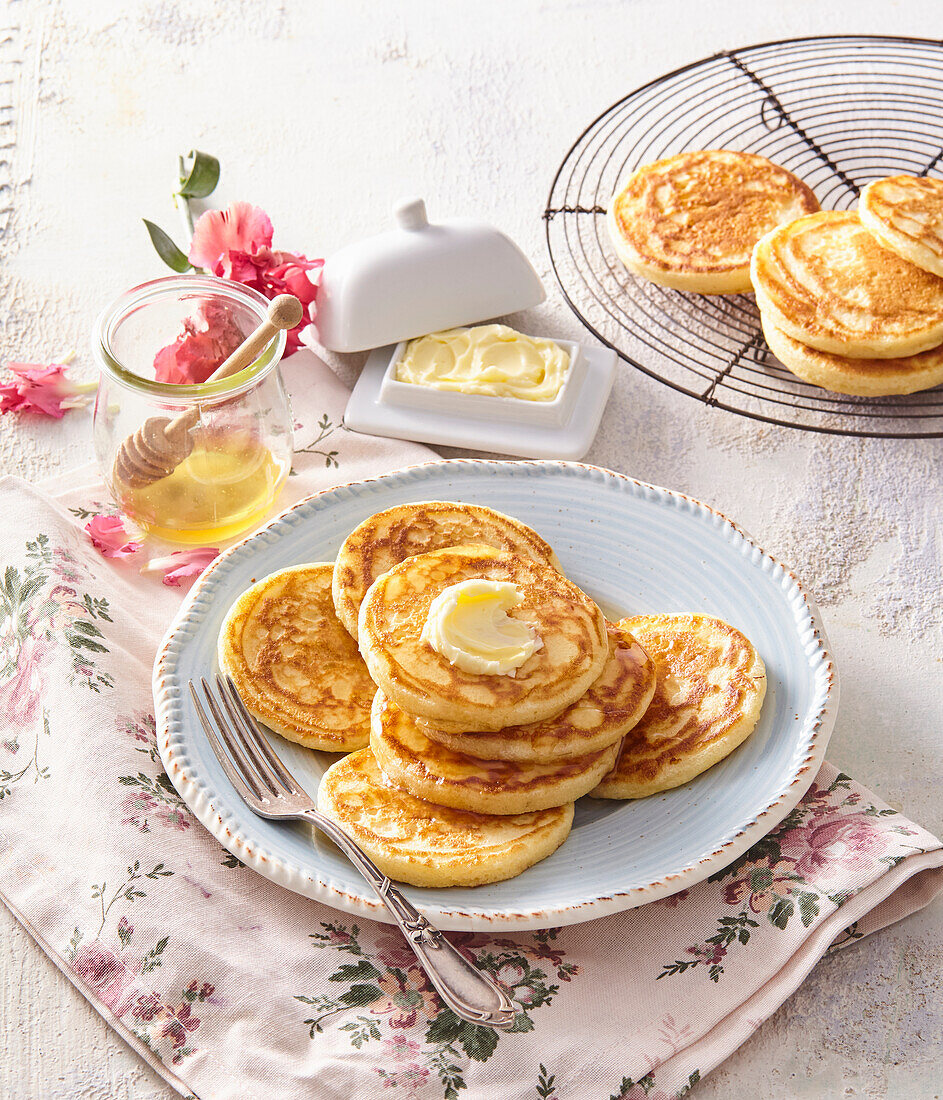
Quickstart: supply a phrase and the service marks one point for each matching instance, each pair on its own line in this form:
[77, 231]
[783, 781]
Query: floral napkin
[234, 989]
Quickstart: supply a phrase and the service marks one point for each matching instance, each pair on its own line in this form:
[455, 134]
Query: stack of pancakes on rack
[456, 776]
[851, 301]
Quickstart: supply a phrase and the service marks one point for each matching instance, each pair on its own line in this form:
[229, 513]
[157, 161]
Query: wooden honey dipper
[159, 446]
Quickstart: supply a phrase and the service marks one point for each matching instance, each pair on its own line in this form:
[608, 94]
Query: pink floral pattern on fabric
[393, 995]
[792, 872]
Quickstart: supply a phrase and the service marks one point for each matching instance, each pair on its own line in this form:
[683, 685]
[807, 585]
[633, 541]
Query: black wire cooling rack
[838, 112]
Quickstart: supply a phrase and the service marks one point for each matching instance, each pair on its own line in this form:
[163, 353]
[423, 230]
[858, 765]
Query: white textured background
[323, 113]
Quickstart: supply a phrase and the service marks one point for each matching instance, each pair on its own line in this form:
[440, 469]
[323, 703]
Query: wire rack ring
[838, 112]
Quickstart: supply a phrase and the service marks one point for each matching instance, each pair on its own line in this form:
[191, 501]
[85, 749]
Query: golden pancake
[905, 213]
[294, 665]
[571, 629]
[691, 221]
[610, 707]
[395, 534]
[427, 845]
[434, 773]
[829, 283]
[709, 691]
[864, 377]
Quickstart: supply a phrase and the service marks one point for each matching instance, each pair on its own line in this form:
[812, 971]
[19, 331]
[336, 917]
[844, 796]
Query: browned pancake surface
[294, 665]
[829, 283]
[391, 536]
[703, 211]
[905, 213]
[424, 683]
[710, 685]
[429, 845]
[611, 705]
[429, 770]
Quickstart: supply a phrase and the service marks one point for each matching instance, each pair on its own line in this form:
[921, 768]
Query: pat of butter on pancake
[469, 625]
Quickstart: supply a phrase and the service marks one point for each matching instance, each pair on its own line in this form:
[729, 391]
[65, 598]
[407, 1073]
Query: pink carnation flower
[201, 348]
[181, 564]
[236, 243]
[42, 389]
[110, 538]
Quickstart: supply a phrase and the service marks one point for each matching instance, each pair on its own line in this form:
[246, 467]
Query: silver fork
[270, 790]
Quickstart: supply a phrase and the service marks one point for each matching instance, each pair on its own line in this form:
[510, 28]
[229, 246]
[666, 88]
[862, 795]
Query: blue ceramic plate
[636, 549]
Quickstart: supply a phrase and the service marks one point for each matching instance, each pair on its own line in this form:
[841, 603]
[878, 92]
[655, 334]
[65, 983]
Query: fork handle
[461, 985]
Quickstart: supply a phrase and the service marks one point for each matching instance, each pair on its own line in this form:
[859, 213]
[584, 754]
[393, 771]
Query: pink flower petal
[41, 389]
[182, 564]
[198, 351]
[241, 227]
[110, 538]
[236, 244]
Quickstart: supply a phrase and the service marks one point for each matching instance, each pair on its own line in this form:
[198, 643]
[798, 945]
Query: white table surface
[323, 113]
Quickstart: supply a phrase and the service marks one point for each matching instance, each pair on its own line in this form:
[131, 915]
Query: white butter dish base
[564, 428]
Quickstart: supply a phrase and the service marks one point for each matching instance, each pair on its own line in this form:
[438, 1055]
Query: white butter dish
[563, 428]
[419, 278]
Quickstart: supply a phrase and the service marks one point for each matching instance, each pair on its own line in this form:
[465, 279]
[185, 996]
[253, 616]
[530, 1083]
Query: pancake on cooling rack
[602, 716]
[862, 377]
[690, 221]
[429, 845]
[434, 773]
[294, 665]
[411, 612]
[905, 213]
[709, 690]
[389, 537]
[827, 282]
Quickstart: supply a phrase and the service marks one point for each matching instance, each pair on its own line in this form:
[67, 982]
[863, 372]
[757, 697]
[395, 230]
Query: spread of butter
[468, 623]
[492, 360]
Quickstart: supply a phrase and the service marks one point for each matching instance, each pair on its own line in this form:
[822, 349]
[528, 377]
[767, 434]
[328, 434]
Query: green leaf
[87, 628]
[167, 250]
[351, 972]
[445, 1028]
[32, 586]
[478, 1042]
[80, 641]
[780, 913]
[360, 995]
[808, 907]
[202, 177]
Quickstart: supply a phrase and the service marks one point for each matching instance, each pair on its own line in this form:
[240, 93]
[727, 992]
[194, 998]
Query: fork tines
[242, 749]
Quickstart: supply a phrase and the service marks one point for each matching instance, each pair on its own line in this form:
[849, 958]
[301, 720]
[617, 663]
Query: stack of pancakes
[456, 777]
[850, 301]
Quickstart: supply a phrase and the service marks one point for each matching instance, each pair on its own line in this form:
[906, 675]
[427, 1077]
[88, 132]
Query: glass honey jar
[239, 437]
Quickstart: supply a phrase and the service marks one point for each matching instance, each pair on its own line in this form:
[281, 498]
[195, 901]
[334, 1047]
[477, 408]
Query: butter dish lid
[420, 277]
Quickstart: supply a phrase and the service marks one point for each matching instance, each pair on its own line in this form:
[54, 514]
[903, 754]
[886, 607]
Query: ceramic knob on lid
[420, 277]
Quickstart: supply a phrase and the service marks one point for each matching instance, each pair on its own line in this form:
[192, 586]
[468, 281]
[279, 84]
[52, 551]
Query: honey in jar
[241, 435]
